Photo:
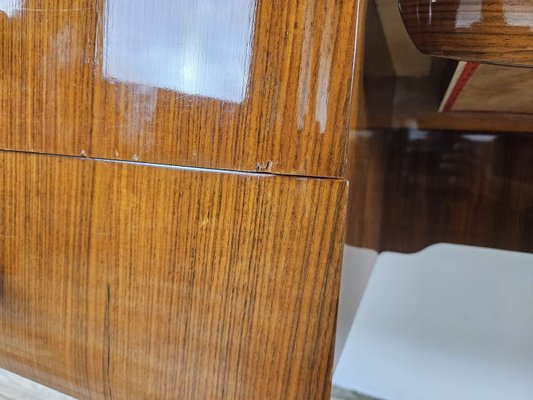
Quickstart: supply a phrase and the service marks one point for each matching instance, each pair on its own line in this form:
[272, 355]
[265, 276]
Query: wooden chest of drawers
[172, 202]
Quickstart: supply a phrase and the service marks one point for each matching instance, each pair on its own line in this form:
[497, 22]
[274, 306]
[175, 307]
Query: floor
[14, 387]
[342, 394]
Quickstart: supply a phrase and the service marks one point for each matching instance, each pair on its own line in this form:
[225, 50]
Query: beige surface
[496, 88]
[407, 59]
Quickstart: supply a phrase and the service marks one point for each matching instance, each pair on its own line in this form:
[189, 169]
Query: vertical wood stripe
[125, 281]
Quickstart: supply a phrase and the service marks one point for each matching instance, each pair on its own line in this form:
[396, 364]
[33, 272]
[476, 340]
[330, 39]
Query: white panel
[451, 322]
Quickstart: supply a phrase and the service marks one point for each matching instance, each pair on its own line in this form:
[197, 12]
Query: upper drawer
[233, 84]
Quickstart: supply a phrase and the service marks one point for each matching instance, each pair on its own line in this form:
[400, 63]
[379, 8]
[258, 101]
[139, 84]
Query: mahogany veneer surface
[496, 31]
[126, 281]
[235, 84]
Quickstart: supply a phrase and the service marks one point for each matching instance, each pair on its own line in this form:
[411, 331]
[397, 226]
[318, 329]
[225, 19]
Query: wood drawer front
[233, 84]
[127, 281]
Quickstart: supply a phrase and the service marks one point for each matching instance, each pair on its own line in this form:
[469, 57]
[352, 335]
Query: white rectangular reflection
[200, 47]
[10, 7]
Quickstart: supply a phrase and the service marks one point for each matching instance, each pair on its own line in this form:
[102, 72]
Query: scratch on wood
[264, 167]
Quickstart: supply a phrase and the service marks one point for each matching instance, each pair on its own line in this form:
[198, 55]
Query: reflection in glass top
[468, 14]
[198, 47]
[515, 14]
[519, 14]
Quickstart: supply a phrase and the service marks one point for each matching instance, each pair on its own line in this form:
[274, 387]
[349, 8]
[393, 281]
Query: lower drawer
[131, 281]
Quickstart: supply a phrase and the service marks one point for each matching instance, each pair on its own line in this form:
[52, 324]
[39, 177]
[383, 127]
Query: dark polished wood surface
[411, 189]
[126, 281]
[496, 31]
[245, 85]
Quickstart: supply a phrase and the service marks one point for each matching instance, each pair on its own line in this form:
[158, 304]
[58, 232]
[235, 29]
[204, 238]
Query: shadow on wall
[357, 266]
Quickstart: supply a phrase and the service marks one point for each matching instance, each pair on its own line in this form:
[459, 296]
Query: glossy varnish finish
[127, 281]
[253, 85]
[497, 31]
[412, 189]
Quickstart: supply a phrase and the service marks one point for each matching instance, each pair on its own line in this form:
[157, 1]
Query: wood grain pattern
[365, 172]
[71, 84]
[495, 31]
[417, 188]
[358, 107]
[129, 281]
